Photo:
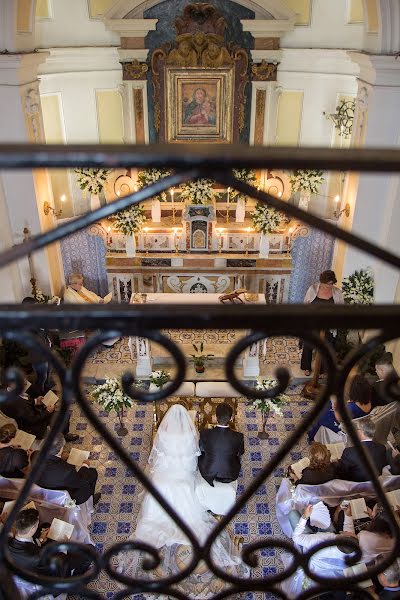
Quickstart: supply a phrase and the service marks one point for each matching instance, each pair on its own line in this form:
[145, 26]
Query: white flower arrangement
[358, 288]
[266, 219]
[149, 176]
[269, 404]
[197, 192]
[111, 396]
[307, 181]
[159, 378]
[130, 220]
[246, 175]
[91, 180]
[44, 299]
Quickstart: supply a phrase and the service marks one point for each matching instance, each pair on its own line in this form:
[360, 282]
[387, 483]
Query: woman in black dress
[13, 461]
[324, 292]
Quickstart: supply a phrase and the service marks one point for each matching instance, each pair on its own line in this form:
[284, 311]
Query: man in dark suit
[32, 415]
[221, 449]
[26, 549]
[390, 581]
[57, 474]
[351, 466]
[384, 368]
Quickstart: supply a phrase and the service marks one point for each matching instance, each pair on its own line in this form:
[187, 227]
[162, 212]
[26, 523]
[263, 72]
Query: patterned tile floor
[116, 513]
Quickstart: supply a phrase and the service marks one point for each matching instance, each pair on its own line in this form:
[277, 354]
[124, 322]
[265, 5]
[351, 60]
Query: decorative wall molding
[264, 71]
[377, 69]
[134, 70]
[261, 28]
[136, 28]
[264, 9]
[73, 60]
[310, 60]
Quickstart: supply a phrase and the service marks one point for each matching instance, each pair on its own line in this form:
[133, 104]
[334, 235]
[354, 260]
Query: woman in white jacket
[324, 292]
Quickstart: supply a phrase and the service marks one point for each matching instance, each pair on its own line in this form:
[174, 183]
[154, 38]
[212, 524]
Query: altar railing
[146, 321]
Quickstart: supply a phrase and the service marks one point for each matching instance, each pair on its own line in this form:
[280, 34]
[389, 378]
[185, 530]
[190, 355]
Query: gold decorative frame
[218, 83]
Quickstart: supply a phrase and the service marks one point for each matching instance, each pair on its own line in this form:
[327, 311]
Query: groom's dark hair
[224, 413]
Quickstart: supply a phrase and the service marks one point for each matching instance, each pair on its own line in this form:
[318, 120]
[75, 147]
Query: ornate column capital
[19, 69]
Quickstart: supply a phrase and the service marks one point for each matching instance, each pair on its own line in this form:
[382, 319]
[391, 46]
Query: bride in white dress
[172, 469]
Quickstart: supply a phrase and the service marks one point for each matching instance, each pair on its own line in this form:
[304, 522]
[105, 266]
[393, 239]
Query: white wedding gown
[173, 471]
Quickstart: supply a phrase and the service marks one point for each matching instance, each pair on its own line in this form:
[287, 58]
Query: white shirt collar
[223, 426]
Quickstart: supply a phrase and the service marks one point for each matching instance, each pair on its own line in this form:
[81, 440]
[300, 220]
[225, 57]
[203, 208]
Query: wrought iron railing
[16, 322]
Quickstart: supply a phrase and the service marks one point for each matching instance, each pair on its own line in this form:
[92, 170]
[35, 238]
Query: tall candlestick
[145, 244]
[227, 205]
[219, 231]
[248, 229]
[27, 235]
[173, 206]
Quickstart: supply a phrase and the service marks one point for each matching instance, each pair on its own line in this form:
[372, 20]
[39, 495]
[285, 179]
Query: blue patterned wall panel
[311, 255]
[86, 254]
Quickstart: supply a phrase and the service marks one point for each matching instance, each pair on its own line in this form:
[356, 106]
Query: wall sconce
[346, 210]
[343, 117]
[47, 208]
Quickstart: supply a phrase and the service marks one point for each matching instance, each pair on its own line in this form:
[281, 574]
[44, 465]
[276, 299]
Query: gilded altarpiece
[199, 82]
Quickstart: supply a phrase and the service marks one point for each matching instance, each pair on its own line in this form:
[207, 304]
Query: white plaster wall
[321, 76]
[78, 97]
[71, 25]
[328, 28]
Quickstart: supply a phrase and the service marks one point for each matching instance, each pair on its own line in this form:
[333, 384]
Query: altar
[216, 342]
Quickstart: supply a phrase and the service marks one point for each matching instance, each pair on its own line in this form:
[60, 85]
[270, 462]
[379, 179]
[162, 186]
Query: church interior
[212, 75]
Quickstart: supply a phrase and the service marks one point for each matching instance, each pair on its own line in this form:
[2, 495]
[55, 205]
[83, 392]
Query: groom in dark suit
[221, 449]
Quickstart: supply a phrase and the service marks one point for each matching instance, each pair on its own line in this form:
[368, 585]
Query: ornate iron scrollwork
[147, 321]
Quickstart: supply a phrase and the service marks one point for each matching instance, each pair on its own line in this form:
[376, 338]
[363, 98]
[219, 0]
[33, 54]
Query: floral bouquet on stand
[44, 298]
[199, 191]
[266, 219]
[159, 378]
[149, 176]
[306, 181]
[111, 396]
[268, 405]
[130, 220]
[358, 288]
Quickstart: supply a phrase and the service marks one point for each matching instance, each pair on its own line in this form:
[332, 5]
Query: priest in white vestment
[76, 293]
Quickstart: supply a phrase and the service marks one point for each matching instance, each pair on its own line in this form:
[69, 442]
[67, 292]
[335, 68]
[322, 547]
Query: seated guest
[330, 561]
[57, 474]
[327, 419]
[221, 449]
[359, 404]
[13, 461]
[394, 462]
[32, 415]
[320, 469]
[384, 368]
[390, 581]
[375, 538]
[351, 466]
[76, 293]
[26, 549]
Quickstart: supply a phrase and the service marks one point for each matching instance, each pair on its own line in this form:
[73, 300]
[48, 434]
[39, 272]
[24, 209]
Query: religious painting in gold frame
[199, 105]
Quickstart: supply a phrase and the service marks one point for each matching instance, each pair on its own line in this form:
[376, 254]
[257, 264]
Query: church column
[133, 56]
[374, 198]
[24, 192]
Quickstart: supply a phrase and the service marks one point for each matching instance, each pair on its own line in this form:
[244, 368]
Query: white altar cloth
[191, 299]
[251, 367]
